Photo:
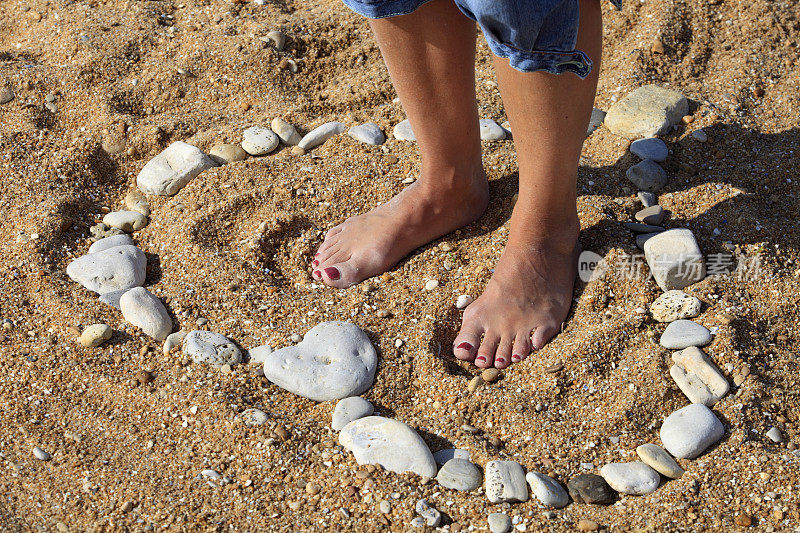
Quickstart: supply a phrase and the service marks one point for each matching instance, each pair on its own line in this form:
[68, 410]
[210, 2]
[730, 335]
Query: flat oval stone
[684, 333]
[650, 215]
[172, 169]
[211, 348]
[658, 459]
[491, 130]
[698, 378]
[688, 432]
[126, 221]
[349, 409]
[499, 523]
[146, 312]
[110, 242]
[253, 417]
[95, 335]
[320, 134]
[547, 490]
[369, 133]
[287, 133]
[389, 443]
[259, 140]
[647, 176]
[650, 148]
[403, 132]
[675, 305]
[459, 474]
[634, 478]
[590, 488]
[335, 360]
[114, 269]
[505, 482]
[223, 154]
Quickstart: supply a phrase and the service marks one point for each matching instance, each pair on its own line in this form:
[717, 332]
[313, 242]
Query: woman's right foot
[370, 244]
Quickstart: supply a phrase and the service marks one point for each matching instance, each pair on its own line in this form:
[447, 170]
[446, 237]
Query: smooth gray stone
[505, 482]
[172, 169]
[320, 134]
[635, 478]
[349, 409]
[146, 312]
[651, 148]
[647, 112]
[333, 361]
[402, 131]
[369, 133]
[499, 523]
[688, 432]
[700, 135]
[648, 199]
[491, 130]
[638, 227]
[650, 215]
[643, 238]
[224, 154]
[114, 269]
[110, 242]
[211, 348]
[112, 298]
[547, 490]
[675, 259]
[459, 474]
[684, 333]
[647, 176]
[442, 456]
[596, 120]
[659, 460]
[389, 443]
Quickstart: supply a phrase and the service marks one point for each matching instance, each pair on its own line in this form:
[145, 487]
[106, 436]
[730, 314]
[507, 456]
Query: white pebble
[463, 301]
[41, 454]
[431, 284]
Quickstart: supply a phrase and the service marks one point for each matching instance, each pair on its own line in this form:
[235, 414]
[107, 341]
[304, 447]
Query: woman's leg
[531, 290]
[430, 54]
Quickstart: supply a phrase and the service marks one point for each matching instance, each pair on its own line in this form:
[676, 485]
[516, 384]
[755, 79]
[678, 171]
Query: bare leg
[431, 59]
[530, 292]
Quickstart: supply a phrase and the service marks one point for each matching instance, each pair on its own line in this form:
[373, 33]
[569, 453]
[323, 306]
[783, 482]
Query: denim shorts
[532, 34]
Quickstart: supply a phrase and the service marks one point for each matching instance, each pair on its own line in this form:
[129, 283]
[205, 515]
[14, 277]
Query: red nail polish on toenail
[501, 360]
[318, 273]
[516, 358]
[465, 346]
[315, 262]
[480, 358]
[332, 273]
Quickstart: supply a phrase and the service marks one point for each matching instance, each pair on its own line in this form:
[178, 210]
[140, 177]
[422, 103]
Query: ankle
[453, 183]
[546, 228]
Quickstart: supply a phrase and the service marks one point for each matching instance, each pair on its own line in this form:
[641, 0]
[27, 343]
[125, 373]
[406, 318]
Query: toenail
[318, 273]
[332, 273]
[501, 360]
[516, 358]
[480, 358]
[315, 262]
[465, 346]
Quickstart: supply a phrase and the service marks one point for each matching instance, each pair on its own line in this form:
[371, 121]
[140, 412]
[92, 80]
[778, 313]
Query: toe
[340, 275]
[502, 357]
[466, 343]
[488, 348]
[324, 256]
[522, 346]
[543, 334]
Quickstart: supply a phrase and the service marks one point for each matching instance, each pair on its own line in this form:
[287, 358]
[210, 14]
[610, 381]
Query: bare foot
[527, 298]
[370, 244]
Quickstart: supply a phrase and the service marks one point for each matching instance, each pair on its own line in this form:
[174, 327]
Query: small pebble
[459, 474]
[650, 215]
[587, 525]
[6, 95]
[491, 130]
[648, 199]
[277, 38]
[547, 490]
[285, 131]
[700, 135]
[296, 337]
[41, 454]
[689, 431]
[590, 488]
[258, 140]
[635, 478]
[499, 523]
[385, 506]
[490, 375]
[774, 435]
[95, 335]
[463, 301]
[227, 153]
[658, 459]
[681, 334]
[431, 284]
[431, 515]
[474, 383]
[402, 131]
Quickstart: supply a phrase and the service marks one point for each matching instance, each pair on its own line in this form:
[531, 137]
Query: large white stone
[320, 134]
[172, 169]
[459, 474]
[698, 378]
[547, 490]
[349, 409]
[634, 478]
[647, 112]
[505, 482]
[389, 443]
[688, 432]
[113, 269]
[684, 333]
[675, 259]
[369, 133]
[211, 348]
[110, 242]
[334, 360]
[402, 131]
[146, 312]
